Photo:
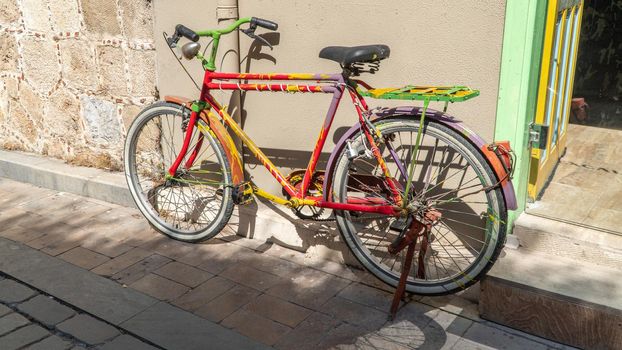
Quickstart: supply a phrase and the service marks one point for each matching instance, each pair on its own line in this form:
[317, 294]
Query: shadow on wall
[310, 233]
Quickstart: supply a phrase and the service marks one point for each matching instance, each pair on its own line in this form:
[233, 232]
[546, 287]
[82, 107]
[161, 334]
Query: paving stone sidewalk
[276, 296]
[32, 320]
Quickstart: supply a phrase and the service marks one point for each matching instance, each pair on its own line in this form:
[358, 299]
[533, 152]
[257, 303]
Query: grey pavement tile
[251, 277]
[20, 234]
[227, 303]
[218, 256]
[368, 279]
[122, 224]
[173, 328]
[105, 246]
[278, 310]
[13, 292]
[379, 340]
[310, 288]
[126, 342]
[52, 342]
[338, 269]
[86, 208]
[121, 262]
[50, 203]
[451, 323]
[21, 193]
[443, 331]
[23, 336]
[94, 294]
[497, 339]
[204, 293]
[276, 266]
[14, 216]
[66, 241]
[465, 344]
[184, 274]
[63, 206]
[354, 313]
[159, 287]
[343, 336]
[367, 295]
[44, 240]
[308, 333]
[56, 233]
[83, 258]
[256, 327]
[395, 335]
[437, 340]
[11, 322]
[168, 247]
[140, 269]
[4, 310]
[46, 310]
[88, 329]
[417, 313]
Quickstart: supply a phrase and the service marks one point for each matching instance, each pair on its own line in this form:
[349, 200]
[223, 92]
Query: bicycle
[400, 177]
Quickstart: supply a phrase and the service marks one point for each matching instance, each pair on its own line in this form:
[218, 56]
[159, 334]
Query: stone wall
[73, 74]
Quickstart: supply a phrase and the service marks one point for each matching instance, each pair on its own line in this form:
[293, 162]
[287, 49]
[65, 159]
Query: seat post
[346, 72]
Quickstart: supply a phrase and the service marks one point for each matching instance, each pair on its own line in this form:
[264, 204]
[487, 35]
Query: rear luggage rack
[421, 93]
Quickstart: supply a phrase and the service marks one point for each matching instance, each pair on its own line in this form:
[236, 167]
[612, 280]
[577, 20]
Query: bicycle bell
[190, 49]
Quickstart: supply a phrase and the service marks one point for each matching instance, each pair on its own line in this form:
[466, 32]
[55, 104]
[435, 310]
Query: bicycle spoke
[444, 177]
[188, 201]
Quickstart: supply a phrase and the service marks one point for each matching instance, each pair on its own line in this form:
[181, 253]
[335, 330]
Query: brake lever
[251, 34]
[172, 40]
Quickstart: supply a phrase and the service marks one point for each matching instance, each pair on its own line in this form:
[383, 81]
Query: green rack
[422, 93]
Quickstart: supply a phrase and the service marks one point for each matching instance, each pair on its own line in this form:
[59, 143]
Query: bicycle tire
[191, 207]
[372, 258]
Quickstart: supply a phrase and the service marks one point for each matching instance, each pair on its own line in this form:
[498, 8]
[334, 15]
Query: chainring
[307, 212]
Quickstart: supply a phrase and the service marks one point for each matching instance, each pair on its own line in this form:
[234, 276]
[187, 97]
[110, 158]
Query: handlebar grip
[264, 23]
[186, 32]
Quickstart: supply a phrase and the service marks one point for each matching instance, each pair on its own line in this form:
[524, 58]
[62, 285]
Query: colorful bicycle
[409, 186]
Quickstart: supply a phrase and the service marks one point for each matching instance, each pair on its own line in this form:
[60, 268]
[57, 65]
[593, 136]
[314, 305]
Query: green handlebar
[213, 33]
[210, 64]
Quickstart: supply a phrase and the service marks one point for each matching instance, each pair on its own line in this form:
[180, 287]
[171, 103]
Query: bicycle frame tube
[324, 83]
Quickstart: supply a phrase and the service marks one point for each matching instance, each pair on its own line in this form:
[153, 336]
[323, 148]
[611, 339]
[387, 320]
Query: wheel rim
[189, 202]
[464, 238]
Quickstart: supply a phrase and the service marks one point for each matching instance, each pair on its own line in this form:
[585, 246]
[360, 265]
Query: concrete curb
[57, 175]
[160, 323]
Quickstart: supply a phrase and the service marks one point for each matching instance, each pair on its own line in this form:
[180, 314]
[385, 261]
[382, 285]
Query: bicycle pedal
[243, 194]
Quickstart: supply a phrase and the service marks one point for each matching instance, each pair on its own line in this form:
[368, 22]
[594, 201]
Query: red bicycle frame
[329, 83]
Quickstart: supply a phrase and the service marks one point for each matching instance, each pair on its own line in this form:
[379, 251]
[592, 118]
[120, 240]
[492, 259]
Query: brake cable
[179, 61]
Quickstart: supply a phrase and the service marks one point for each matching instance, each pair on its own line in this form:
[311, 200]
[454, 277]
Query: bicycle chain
[332, 218]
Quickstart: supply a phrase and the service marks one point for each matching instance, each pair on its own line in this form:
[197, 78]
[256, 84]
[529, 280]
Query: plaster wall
[432, 42]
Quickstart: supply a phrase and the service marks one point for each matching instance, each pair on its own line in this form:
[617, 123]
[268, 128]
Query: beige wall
[432, 42]
[73, 74]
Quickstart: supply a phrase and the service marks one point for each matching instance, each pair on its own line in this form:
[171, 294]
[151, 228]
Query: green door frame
[523, 36]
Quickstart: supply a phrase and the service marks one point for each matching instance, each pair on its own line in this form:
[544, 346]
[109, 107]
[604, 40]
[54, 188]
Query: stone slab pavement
[92, 274]
[34, 320]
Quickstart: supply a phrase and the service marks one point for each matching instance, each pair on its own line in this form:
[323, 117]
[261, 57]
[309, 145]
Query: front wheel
[195, 203]
[451, 177]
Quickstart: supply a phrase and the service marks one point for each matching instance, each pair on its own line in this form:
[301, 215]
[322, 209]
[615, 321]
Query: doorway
[576, 175]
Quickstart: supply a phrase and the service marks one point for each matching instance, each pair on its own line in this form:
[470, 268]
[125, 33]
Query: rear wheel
[450, 176]
[194, 204]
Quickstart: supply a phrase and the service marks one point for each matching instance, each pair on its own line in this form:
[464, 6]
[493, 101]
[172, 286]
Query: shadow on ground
[275, 295]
